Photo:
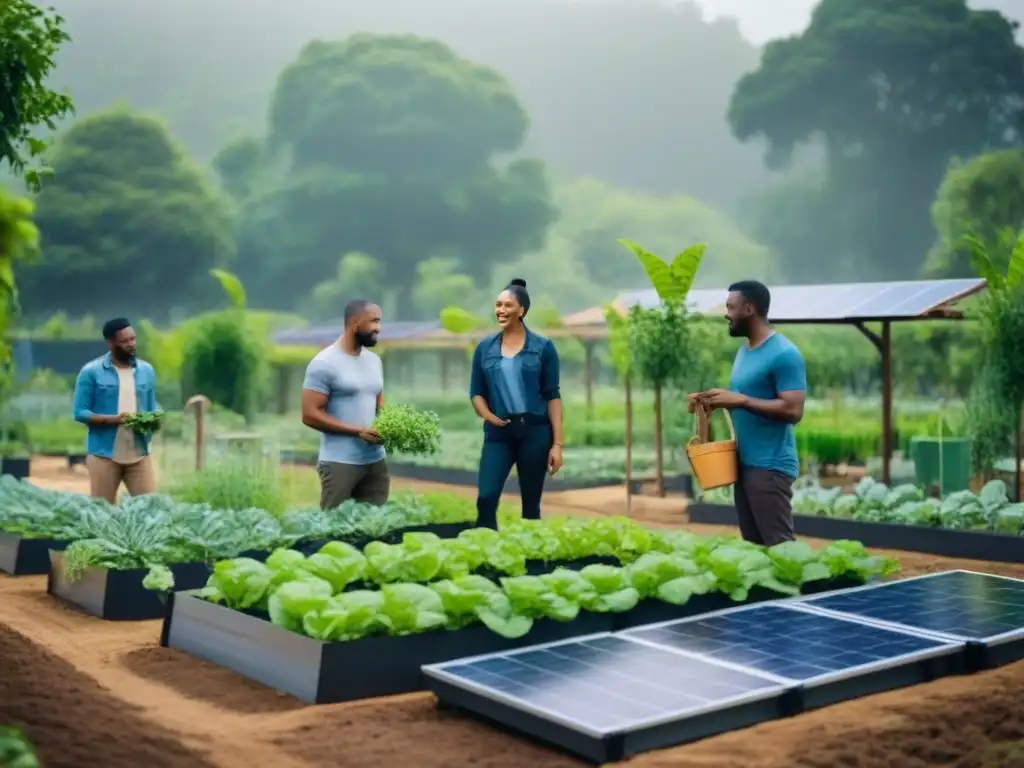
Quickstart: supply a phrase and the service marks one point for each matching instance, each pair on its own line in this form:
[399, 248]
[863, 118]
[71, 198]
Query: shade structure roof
[327, 333]
[828, 303]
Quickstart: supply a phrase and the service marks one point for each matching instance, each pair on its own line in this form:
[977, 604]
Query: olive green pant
[369, 483]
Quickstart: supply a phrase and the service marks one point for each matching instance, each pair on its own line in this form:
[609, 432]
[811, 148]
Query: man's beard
[739, 329]
[366, 339]
[123, 356]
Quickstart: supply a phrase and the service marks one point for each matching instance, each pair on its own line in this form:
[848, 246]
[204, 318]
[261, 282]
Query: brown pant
[369, 483]
[106, 476]
[764, 505]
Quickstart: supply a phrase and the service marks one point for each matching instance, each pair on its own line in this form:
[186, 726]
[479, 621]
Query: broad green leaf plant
[1002, 315]
[660, 352]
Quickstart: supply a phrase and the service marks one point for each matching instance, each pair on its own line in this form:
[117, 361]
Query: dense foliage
[982, 198]
[889, 124]
[131, 226]
[614, 114]
[30, 38]
[427, 583]
[154, 531]
[19, 243]
[425, 152]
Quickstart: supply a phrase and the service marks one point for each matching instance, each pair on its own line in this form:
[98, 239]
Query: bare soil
[90, 692]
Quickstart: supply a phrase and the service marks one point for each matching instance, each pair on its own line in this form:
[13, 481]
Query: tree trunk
[629, 447]
[659, 448]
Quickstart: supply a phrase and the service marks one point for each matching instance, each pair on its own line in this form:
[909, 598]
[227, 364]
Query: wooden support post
[887, 402]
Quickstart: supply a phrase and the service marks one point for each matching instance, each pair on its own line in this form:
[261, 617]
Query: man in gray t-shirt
[341, 394]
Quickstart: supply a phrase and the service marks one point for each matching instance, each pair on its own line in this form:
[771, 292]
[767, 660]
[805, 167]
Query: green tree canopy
[594, 215]
[894, 90]
[29, 39]
[129, 224]
[358, 276]
[982, 198]
[393, 146]
[628, 91]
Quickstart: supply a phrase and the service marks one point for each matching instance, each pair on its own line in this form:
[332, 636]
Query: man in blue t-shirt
[766, 399]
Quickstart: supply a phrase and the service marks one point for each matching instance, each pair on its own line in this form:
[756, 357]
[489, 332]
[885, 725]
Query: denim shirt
[96, 393]
[539, 366]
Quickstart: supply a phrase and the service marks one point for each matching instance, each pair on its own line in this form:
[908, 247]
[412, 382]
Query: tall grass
[234, 483]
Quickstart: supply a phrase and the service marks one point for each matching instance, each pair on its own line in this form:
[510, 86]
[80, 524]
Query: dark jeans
[368, 483]
[523, 444]
[764, 505]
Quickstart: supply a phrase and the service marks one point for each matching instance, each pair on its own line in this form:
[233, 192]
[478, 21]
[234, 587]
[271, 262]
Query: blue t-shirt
[762, 373]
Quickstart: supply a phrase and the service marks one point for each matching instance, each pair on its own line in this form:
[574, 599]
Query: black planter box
[945, 542]
[119, 595]
[672, 484]
[26, 557]
[443, 530]
[317, 672]
[467, 477]
[540, 567]
[20, 469]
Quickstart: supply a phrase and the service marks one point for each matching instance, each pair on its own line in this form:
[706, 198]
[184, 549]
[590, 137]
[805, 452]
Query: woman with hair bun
[514, 388]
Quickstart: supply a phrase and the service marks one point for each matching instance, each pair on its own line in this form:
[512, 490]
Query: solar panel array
[835, 302]
[790, 644]
[606, 684]
[610, 696]
[957, 604]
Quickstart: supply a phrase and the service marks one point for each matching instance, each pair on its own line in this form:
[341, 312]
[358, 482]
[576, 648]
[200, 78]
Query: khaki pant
[368, 483]
[106, 476]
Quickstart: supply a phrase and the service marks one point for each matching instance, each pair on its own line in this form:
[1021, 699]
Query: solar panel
[843, 658]
[840, 301]
[981, 609]
[605, 697]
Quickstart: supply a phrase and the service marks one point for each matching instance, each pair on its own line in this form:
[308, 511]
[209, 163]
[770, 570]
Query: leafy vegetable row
[871, 501]
[309, 594]
[155, 530]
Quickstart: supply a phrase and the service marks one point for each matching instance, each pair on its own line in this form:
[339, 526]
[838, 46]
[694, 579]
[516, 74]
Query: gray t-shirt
[352, 384]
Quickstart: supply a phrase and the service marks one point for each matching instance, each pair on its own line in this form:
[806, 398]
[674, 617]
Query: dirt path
[92, 692]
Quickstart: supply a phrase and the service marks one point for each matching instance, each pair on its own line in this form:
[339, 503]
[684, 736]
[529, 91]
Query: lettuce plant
[427, 583]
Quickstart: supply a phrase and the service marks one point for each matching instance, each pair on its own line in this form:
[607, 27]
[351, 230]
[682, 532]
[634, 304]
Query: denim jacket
[96, 393]
[539, 370]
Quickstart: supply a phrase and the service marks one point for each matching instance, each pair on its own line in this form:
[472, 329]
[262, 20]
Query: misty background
[633, 121]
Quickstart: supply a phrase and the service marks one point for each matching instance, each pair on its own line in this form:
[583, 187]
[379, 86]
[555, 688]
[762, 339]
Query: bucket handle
[702, 417]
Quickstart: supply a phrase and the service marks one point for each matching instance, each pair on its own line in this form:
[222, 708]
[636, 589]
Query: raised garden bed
[672, 484]
[443, 530]
[119, 595]
[319, 672]
[944, 542]
[467, 477]
[26, 557]
[20, 469]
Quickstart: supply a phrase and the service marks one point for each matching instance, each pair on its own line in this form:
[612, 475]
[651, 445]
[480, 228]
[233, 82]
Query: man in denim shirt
[107, 390]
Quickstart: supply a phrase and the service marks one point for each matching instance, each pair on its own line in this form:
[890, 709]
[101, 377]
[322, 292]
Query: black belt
[528, 418]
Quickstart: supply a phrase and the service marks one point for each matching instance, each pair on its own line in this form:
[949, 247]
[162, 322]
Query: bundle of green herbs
[403, 429]
[144, 423]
